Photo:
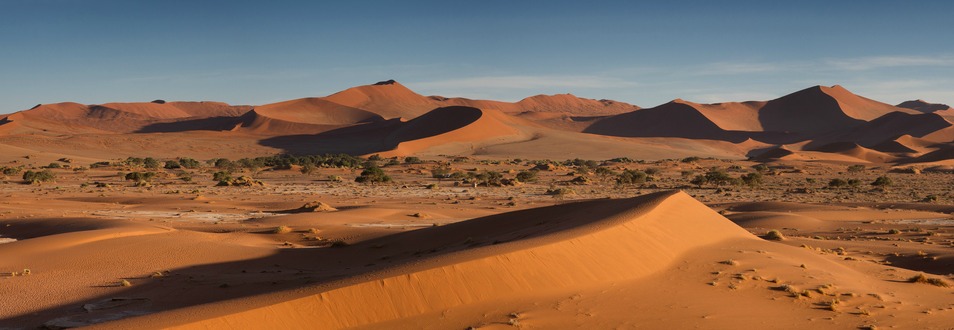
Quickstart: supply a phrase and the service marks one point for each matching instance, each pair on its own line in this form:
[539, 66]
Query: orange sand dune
[71, 118]
[303, 116]
[569, 103]
[924, 106]
[316, 111]
[819, 109]
[448, 130]
[854, 150]
[731, 116]
[673, 119]
[541, 252]
[389, 99]
[590, 264]
[891, 126]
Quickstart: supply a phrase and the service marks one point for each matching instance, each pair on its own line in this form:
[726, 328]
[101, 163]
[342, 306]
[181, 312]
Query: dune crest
[638, 237]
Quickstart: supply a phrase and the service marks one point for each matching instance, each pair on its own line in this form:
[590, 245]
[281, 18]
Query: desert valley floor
[423, 253]
[386, 209]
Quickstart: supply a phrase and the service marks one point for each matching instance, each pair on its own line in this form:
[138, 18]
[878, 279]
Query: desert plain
[380, 208]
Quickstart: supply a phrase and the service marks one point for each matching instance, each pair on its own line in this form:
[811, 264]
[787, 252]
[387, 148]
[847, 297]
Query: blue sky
[647, 53]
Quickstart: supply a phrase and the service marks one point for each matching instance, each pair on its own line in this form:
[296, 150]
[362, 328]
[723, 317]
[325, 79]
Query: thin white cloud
[526, 82]
[735, 68]
[878, 62]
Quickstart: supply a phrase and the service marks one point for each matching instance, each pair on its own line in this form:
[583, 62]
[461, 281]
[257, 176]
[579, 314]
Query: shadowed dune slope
[71, 118]
[548, 250]
[890, 127]
[731, 116]
[673, 119]
[819, 109]
[316, 111]
[851, 149]
[453, 130]
[923, 106]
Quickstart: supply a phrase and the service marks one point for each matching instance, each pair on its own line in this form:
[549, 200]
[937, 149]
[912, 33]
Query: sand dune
[389, 99]
[451, 129]
[562, 250]
[379, 118]
[854, 150]
[924, 106]
[890, 127]
[673, 119]
[544, 266]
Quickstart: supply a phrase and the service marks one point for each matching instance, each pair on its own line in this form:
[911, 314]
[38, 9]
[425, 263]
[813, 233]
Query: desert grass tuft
[920, 278]
[282, 230]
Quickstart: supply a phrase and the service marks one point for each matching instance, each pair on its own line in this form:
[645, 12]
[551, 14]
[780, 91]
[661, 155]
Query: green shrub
[10, 170]
[412, 160]
[489, 178]
[856, 168]
[440, 172]
[39, 177]
[150, 163]
[753, 179]
[836, 183]
[691, 159]
[189, 163]
[308, 169]
[171, 165]
[373, 175]
[774, 235]
[221, 176]
[527, 176]
[140, 176]
[632, 177]
[882, 181]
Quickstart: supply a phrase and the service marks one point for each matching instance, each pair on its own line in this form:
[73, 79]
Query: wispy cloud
[735, 68]
[527, 82]
[878, 62]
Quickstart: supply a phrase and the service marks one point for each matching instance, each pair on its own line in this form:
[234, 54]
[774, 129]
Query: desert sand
[553, 212]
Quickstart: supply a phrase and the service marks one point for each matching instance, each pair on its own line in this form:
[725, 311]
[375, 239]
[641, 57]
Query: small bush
[140, 176]
[221, 176]
[920, 278]
[308, 169]
[882, 181]
[527, 176]
[560, 192]
[282, 230]
[150, 163]
[691, 159]
[10, 170]
[171, 165]
[836, 183]
[632, 177]
[39, 177]
[753, 179]
[189, 163]
[856, 168]
[774, 235]
[412, 160]
[373, 175]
